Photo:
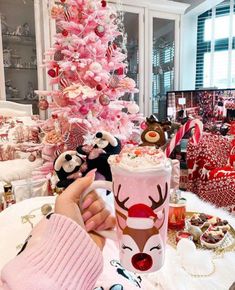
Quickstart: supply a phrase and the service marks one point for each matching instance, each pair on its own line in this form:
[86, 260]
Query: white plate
[12, 231]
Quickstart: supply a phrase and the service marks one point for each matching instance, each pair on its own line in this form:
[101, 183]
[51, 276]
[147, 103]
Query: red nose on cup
[142, 261]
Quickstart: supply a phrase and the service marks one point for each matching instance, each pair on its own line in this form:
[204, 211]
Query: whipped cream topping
[140, 158]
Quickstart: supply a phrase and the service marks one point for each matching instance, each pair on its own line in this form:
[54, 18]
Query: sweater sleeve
[65, 258]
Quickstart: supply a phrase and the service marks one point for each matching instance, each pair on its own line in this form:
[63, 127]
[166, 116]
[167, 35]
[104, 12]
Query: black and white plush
[105, 144]
[67, 163]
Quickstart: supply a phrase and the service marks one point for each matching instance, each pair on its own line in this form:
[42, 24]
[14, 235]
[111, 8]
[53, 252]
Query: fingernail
[86, 216]
[90, 226]
[92, 172]
[87, 203]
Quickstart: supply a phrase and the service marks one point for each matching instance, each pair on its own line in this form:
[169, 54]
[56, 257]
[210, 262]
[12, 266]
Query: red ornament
[100, 30]
[104, 100]
[84, 110]
[99, 88]
[103, 3]
[120, 71]
[65, 33]
[63, 1]
[54, 116]
[114, 46]
[52, 73]
[43, 105]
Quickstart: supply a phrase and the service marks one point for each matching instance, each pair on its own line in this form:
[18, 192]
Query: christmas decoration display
[181, 132]
[154, 132]
[97, 154]
[87, 71]
[209, 175]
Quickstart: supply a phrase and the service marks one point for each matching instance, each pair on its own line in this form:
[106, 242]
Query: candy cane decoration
[180, 134]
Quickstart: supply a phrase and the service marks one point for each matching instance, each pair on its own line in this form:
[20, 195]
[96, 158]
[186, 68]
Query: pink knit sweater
[65, 259]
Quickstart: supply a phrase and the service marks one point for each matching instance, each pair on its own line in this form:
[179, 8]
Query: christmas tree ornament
[73, 68]
[114, 81]
[64, 83]
[83, 110]
[32, 158]
[52, 73]
[133, 108]
[120, 71]
[104, 100]
[99, 88]
[65, 32]
[43, 104]
[100, 30]
[58, 56]
[63, 1]
[67, 14]
[95, 67]
[103, 3]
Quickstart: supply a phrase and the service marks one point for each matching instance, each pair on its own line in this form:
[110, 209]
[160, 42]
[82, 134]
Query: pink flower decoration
[126, 84]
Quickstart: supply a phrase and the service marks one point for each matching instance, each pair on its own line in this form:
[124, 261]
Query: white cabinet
[153, 43]
[21, 51]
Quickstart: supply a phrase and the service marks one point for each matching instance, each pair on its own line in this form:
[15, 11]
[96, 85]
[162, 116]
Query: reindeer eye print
[125, 247]
[156, 248]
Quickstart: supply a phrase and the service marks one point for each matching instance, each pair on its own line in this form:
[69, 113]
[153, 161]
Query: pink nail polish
[87, 203]
[92, 172]
[90, 226]
[86, 216]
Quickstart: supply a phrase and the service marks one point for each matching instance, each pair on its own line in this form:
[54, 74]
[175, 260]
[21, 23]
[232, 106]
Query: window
[216, 47]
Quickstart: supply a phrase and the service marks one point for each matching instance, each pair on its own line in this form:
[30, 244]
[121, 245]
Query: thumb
[74, 191]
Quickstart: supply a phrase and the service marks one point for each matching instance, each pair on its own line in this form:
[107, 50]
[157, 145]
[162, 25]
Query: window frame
[206, 46]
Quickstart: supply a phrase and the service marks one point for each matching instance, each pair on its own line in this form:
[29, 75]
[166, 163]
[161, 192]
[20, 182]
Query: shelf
[20, 68]
[19, 39]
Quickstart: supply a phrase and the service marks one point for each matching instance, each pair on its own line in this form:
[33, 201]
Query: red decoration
[104, 100]
[99, 88]
[103, 3]
[43, 104]
[141, 211]
[142, 261]
[83, 110]
[54, 116]
[65, 33]
[100, 30]
[64, 83]
[120, 71]
[63, 1]
[52, 73]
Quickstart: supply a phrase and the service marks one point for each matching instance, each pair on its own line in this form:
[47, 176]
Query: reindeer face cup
[141, 184]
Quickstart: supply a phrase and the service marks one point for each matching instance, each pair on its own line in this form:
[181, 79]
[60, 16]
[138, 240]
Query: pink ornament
[84, 110]
[100, 30]
[120, 71]
[95, 67]
[133, 108]
[43, 105]
[104, 100]
[114, 81]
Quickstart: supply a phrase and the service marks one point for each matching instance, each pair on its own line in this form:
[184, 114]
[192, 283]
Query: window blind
[215, 65]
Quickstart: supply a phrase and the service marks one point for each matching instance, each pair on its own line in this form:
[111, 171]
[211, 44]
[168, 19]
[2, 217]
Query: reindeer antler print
[161, 200]
[121, 203]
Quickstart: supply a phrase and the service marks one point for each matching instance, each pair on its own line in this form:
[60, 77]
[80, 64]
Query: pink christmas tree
[87, 71]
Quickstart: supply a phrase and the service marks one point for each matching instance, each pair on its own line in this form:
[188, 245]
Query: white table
[171, 277]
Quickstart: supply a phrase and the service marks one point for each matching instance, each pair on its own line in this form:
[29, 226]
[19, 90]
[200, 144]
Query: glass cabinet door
[133, 25]
[163, 64]
[19, 51]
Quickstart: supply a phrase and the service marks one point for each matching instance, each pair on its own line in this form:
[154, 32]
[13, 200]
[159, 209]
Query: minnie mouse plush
[105, 144]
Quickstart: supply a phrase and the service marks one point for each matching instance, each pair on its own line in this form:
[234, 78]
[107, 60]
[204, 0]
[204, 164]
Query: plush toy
[154, 134]
[66, 164]
[105, 144]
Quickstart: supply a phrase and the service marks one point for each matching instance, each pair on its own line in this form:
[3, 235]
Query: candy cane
[181, 132]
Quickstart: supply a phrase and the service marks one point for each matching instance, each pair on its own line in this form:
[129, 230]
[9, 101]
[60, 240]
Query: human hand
[94, 213]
